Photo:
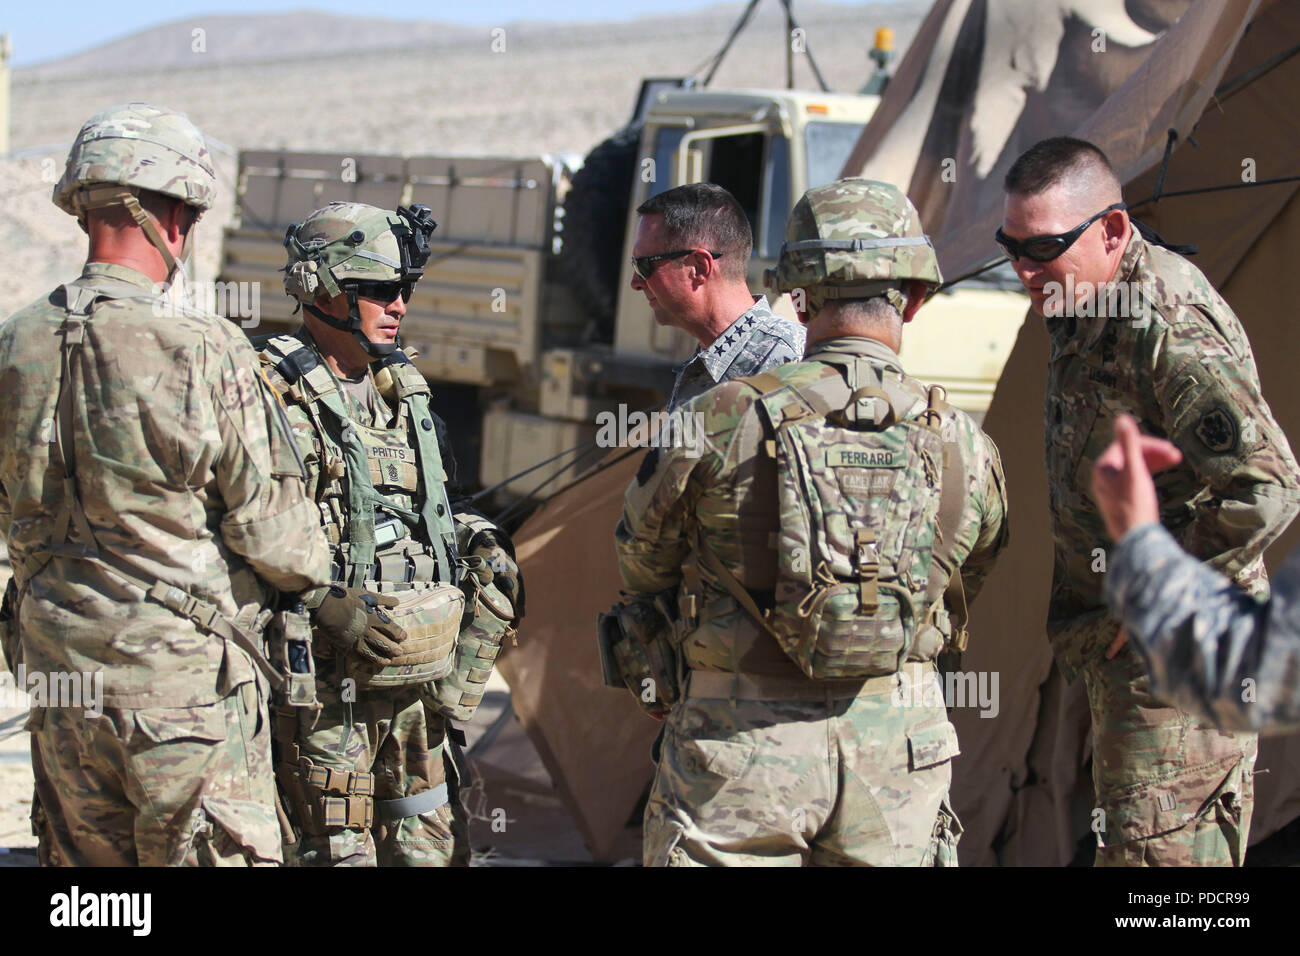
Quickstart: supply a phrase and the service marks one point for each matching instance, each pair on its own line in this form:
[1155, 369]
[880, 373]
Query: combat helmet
[346, 245]
[854, 239]
[133, 147]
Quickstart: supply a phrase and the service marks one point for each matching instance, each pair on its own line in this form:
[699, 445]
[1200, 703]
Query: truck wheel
[595, 217]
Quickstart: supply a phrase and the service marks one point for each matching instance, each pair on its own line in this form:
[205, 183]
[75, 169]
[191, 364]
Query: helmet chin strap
[102, 195]
[376, 350]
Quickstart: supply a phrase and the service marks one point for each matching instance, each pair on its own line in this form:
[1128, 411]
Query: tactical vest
[870, 498]
[383, 499]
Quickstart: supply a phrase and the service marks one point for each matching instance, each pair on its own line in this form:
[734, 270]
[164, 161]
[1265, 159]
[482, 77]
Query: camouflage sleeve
[268, 520]
[990, 485]
[1210, 648]
[652, 537]
[1214, 412]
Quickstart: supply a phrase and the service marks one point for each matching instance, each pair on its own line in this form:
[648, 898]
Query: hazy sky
[44, 31]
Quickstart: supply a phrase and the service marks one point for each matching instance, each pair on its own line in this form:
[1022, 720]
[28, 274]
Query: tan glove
[505, 573]
[355, 620]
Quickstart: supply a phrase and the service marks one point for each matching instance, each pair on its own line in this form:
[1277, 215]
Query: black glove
[354, 620]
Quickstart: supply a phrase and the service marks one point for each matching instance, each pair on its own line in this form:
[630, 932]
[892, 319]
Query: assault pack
[871, 498]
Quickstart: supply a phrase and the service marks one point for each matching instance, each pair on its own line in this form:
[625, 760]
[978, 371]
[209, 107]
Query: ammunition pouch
[325, 799]
[10, 642]
[431, 616]
[488, 621]
[320, 799]
[288, 639]
[638, 650]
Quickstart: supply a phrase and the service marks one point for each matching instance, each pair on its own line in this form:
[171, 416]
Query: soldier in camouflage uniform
[1135, 328]
[692, 246]
[367, 777]
[1209, 647]
[773, 755]
[152, 505]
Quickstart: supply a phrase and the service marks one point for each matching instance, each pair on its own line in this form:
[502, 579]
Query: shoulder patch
[1217, 431]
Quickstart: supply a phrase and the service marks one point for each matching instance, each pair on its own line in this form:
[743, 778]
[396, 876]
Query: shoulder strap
[764, 382]
[826, 397]
[733, 586]
[302, 369]
[814, 400]
[79, 300]
[435, 510]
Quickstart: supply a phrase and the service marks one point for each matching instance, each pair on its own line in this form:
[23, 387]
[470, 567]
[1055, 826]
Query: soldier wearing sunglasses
[692, 246]
[1171, 790]
[423, 590]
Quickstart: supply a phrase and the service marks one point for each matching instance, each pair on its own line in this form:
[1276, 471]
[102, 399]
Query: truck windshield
[829, 145]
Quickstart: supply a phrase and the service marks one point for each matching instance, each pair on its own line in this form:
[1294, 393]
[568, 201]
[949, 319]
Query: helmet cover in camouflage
[854, 239]
[351, 241]
[139, 146]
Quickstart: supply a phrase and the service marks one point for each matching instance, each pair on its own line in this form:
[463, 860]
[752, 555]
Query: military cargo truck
[526, 322]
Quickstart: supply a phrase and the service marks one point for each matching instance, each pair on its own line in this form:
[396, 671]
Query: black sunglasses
[384, 292]
[1047, 248]
[644, 266]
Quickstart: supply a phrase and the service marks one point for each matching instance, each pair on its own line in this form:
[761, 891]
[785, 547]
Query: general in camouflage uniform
[1172, 791]
[692, 246]
[151, 504]
[1209, 647]
[424, 592]
[814, 585]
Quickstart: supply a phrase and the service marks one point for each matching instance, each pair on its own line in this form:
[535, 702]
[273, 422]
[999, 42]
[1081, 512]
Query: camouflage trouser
[1172, 791]
[391, 735]
[159, 786]
[853, 781]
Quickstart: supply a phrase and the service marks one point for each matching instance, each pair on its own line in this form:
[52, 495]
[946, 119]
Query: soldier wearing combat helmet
[153, 505]
[851, 514]
[424, 590]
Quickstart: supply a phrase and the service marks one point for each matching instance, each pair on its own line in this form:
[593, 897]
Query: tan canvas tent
[594, 740]
[983, 80]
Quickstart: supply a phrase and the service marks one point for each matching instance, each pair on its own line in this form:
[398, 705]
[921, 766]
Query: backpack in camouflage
[866, 524]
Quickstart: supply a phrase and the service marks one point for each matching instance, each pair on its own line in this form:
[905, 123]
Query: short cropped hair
[858, 316]
[704, 214]
[1061, 159]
